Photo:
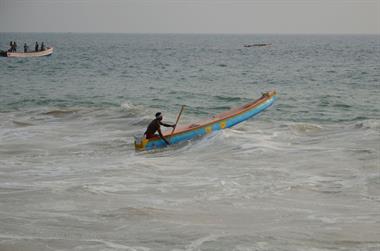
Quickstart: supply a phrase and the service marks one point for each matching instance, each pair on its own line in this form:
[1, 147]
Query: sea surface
[302, 175]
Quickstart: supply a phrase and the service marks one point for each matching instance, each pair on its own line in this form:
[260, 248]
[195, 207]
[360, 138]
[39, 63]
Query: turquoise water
[303, 175]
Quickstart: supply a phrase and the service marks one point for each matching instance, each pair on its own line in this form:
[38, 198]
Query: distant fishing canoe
[218, 122]
[257, 45]
[47, 52]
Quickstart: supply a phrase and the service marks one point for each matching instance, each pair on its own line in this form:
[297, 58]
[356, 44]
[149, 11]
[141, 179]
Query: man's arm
[162, 136]
[166, 125]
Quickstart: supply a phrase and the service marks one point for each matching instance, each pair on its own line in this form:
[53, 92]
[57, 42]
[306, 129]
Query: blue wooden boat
[220, 121]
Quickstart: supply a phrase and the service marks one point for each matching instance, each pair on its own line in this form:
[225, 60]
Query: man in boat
[26, 48]
[42, 46]
[14, 46]
[36, 47]
[155, 126]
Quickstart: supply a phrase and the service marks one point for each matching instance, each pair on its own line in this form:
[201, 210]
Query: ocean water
[303, 175]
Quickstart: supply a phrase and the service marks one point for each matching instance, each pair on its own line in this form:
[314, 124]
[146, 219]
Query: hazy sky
[191, 16]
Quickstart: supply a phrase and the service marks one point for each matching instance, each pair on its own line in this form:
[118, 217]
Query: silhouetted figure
[154, 126]
[26, 48]
[14, 46]
[36, 47]
[42, 46]
[11, 46]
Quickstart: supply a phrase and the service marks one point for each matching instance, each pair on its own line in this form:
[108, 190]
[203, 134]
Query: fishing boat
[220, 121]
[257, 45]
[47, 52]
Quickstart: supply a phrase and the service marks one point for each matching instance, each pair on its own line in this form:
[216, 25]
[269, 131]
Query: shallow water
[303, 175]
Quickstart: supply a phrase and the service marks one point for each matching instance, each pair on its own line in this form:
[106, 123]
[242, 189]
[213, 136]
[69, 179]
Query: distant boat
[257, 45]
[30, 54]
[220, 121]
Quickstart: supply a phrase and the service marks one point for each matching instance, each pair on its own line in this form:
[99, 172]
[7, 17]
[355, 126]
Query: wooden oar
[179, 115]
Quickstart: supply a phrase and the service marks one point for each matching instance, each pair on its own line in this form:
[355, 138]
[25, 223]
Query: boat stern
[140, 142]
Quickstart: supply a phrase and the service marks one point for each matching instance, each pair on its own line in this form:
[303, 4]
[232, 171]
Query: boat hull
[218, 122]
[31, 54]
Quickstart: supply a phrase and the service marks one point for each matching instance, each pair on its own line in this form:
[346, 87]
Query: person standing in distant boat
[155, 126]
[42, 46]
[36, 47]
[14, 46]
[11, 45]
[26, 48]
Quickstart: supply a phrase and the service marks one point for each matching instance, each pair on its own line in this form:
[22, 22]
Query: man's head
[159, 116]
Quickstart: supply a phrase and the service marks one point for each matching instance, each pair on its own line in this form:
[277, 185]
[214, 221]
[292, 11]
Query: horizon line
[184, 33]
